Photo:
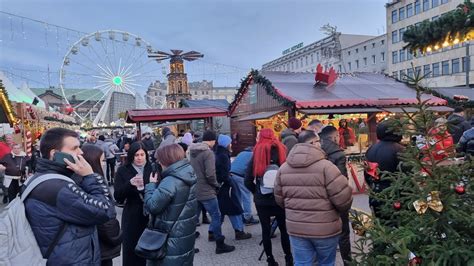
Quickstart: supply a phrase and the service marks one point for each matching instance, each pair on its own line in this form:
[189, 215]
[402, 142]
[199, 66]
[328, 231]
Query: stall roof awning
[413, 109]
[340, 111]
[261, 115]
[349, 91]
[154, 115]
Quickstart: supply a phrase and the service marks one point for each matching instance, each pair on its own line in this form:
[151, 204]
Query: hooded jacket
[466, 143]
[203, 161]
[173, 201]
[313, 193]
[289, 138]
[457, 125]
[80, 206]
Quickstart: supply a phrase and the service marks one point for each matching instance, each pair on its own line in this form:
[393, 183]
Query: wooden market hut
[267, 99]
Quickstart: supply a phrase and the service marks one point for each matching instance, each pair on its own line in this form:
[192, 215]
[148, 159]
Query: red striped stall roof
[155, 115]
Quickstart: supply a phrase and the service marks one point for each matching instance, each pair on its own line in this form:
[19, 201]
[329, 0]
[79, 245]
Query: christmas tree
[429, 208]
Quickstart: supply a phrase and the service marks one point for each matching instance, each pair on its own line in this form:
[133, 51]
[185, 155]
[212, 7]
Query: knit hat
[224, 140]
[165, 131]
[294, 123]
[187, 139]
[209, 135]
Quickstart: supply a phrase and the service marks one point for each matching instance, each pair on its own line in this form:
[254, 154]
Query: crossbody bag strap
[56, 239]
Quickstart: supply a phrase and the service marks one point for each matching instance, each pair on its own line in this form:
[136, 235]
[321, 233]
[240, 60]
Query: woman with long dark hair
[268, 151]
[110, 238]
[130, 181]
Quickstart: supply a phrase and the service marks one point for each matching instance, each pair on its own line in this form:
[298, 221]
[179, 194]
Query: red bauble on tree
[397, 205]
[460, 189]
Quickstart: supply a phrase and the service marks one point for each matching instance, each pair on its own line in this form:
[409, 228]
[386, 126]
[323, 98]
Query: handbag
[152, 242]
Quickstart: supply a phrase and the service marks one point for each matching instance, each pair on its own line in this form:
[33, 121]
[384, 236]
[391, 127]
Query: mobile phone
[154, 168]
[60, 156]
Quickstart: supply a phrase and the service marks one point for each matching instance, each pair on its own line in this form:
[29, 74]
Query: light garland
[7, 105]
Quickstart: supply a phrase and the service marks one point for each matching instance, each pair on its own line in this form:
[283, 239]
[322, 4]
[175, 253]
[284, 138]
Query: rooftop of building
[81, 94]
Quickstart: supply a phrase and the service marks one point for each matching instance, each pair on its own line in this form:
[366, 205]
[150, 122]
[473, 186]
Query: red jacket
[441, 142]
[346, 137]
[4, 149]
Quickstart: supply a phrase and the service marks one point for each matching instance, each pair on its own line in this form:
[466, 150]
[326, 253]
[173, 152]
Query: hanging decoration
[450, 29]
[28, 142]
[432, 201]
[7, 106]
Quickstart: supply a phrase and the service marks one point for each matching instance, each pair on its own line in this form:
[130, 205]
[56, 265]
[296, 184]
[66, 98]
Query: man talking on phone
[63, 215]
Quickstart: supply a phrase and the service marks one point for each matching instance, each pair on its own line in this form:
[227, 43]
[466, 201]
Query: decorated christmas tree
[428, 209]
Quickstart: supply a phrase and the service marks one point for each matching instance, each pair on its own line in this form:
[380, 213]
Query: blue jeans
[212, 207]
[305, 249]
[245, 196]
[237, 222]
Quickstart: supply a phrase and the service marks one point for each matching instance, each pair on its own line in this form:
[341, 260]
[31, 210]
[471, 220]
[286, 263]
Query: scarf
[262, 152]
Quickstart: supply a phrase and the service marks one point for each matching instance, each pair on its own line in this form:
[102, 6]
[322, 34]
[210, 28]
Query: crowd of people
[299, 184]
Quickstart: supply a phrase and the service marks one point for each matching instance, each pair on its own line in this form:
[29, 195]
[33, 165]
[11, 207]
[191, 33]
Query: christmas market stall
[268, 99]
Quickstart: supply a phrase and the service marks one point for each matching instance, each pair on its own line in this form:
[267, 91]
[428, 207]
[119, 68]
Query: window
[464, 64]
[426, 71]
[357, 50]
[339, 69]
[373, 59]
[426, 5]
[394, 16]
[409, 55]
[435, 69]
[394, 36]
[434, 3]
[410, 72]
[365, 47]
[401, 13]
[382, 57]
[418, 71]
[409, 10]
[395, 74]
[394, 57]
[402, 55]
[365, 61]
[434, 18]
[350, 66]
[312, 59]
[402, 75]
[348, 52]
[373, 45]
[401, 32]
[357, 63]
[306, 59]
[445, 68]
[382, 42]
[417, 7]
[455, 66]
[444, 1]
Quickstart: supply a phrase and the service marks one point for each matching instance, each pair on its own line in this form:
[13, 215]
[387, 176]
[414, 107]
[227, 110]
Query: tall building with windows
[327, 52]
[366, 56]
[444, 67]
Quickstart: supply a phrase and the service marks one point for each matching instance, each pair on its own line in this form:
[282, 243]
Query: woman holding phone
[130, 181]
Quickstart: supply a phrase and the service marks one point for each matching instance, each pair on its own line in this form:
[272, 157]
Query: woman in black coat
[110, 237]
[130, 181]
[229, 203]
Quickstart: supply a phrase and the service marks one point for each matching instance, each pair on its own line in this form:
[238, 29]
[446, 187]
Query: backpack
[18, 244]
[267, 182]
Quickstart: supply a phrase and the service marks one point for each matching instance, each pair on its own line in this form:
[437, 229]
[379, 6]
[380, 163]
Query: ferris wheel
[103, 72]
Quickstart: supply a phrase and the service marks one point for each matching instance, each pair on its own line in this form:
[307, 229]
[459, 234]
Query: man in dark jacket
[330, 144]
[202, 160]
[457, 124]
[466, 143]
[385, 155]
[289, 137]
[68, 212]
[148, 142]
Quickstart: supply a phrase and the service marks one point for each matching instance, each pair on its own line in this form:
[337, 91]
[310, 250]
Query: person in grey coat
[167, 137]
[172, 203]
[202, 160]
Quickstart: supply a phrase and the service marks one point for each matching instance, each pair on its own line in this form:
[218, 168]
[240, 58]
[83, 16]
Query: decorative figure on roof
[325, 77]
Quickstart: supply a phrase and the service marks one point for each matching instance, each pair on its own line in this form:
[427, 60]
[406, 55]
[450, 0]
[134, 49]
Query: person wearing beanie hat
[229, 200]
[187, 139]
[203, 161]
[289, 136]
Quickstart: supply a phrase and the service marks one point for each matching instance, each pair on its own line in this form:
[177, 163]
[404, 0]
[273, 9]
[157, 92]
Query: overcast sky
[240, 34]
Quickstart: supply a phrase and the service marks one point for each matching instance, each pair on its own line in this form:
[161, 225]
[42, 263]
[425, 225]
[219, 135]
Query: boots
[271, 261]
[211, 237]
[222, 247]
[289, 260]
[241, 235]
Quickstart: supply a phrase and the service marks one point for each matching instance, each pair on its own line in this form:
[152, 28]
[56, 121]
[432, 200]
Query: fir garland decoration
[53, 119]
[255, 76]
[450, 29]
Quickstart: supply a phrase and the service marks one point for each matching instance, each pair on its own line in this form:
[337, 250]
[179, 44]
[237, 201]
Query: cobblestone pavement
[246, 251]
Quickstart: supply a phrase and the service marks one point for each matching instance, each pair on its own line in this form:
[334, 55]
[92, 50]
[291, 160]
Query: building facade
[327, 52]
[120, 102]
[443, 67]
[178, 88]
[367, 56]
